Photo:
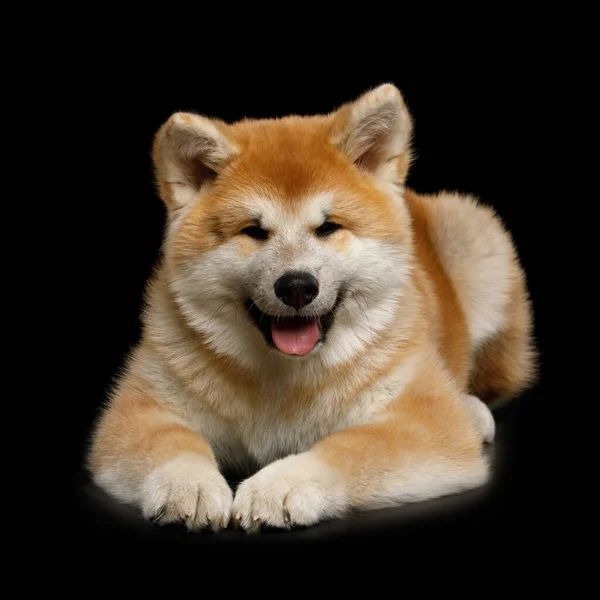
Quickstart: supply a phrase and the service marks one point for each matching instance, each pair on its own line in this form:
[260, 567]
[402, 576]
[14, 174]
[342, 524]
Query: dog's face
[288, 235]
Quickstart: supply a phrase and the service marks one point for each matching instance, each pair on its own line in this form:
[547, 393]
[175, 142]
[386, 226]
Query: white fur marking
[482, 416]
[188, 488]
[297, 490]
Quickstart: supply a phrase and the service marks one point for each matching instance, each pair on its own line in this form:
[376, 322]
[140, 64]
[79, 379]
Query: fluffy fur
[429, 311]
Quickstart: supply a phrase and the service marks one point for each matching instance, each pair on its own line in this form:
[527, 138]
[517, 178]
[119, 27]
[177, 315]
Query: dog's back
[472, 259]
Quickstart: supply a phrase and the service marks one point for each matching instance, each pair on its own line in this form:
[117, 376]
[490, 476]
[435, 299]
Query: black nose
[297, 289]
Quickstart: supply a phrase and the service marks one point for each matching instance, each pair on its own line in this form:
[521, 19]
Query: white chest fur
[267, 430]
[242, 429]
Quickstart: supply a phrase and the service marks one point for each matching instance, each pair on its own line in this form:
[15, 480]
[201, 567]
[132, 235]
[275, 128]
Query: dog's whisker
[238, 304]
[221, 307]
[358, 303]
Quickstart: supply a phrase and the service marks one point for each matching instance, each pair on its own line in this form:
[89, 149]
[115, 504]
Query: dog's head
[288, 234]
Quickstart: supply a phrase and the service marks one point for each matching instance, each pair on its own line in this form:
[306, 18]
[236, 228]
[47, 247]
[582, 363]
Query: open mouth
[292, 335]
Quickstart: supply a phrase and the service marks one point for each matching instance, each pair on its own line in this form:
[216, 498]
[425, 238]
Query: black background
[474, 135]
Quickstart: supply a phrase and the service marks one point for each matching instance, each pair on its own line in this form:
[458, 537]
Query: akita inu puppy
[316, 319]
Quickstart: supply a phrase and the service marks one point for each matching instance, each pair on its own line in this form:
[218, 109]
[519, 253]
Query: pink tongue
[295, 337]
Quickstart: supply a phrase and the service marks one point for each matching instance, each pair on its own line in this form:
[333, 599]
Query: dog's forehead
[287, 161]
[311, 209]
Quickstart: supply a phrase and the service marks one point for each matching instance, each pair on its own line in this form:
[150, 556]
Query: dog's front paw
[190, 490]
[297, 490]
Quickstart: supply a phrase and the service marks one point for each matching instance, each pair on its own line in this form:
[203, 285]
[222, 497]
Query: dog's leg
[146, 456]
[425, 445]
[483, 417]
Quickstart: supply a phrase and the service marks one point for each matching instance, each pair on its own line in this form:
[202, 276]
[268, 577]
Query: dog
[314, 324]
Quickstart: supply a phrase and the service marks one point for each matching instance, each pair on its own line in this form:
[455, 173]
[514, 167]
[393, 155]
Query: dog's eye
[327, 228]
[255, 232]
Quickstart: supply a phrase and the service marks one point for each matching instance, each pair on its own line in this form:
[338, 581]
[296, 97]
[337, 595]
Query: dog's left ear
[189, 150]
[375, 133]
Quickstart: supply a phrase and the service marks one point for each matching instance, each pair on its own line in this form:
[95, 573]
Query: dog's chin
[295, 337]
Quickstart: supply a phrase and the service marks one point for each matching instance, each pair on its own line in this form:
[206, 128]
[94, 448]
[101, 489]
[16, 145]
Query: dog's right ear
[188, 152]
